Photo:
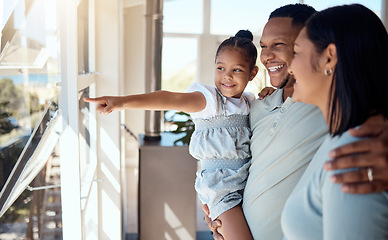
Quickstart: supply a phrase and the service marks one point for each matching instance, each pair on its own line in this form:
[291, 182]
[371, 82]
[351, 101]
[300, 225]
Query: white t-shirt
[232, 105]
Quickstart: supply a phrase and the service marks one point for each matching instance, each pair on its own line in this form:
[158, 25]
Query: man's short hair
[299, 13]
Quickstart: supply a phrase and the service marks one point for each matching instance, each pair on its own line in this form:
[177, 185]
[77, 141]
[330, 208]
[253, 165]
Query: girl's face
[232, 72]
[312, 86]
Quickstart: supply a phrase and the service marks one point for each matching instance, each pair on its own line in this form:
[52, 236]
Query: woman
[339, 66]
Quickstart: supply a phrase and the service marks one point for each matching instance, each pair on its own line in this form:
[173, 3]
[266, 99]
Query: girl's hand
[212, 225]
[106, 104]
[265, 92]
[367, 153]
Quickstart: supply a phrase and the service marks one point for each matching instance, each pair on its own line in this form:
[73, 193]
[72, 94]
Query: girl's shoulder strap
[221, 100]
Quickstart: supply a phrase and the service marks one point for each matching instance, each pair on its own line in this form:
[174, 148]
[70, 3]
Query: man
[286, 134]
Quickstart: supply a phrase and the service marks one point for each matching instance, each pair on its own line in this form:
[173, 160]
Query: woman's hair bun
[244, 34]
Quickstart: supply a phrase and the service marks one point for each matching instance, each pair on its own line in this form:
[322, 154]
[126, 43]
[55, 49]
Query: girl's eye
[220, 68]
[278, 44]
[237, 70]
[262, 46]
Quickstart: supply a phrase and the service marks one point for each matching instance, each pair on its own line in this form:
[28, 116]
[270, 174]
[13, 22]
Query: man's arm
[367, 153]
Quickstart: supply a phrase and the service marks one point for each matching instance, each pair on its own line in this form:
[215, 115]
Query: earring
[328, 73]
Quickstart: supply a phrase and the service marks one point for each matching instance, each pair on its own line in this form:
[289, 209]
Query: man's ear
[254, 71]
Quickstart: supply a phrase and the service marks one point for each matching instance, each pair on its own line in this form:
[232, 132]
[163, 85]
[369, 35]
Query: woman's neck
[325, 112]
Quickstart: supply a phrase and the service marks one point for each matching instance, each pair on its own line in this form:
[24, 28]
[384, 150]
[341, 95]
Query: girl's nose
[227, 75]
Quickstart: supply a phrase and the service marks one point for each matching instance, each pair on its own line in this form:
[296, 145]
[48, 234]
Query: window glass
[374, 5]
[84, 131]
[178, 63]
[83, 37]
[179, 66]
[183, 16]
[29, 72]
[6, 11]
[229, 16]
[87, 143]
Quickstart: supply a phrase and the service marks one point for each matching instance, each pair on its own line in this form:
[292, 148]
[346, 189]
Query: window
[183, 21]
[228, 16]
[374, 5]
[178, 69]
[183, 16]
[29, 73]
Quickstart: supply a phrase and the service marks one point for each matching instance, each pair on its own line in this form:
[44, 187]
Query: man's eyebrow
[277, 39]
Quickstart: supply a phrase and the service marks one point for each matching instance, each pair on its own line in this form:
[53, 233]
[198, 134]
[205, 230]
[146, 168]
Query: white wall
[134, 62]
[134, 83]
[109, 50]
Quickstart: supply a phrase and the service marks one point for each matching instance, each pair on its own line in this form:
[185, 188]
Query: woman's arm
[159, 100]
[351, 216]
[367, 153]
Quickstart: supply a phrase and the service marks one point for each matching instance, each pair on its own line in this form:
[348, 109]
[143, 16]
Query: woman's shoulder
[322, 156]
[333, 142]
[343, 139]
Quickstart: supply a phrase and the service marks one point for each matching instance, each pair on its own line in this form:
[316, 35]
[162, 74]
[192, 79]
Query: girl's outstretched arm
[159, 100]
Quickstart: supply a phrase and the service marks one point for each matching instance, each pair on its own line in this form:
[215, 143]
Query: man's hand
[265, 92]
[367, 153]
[212, 225]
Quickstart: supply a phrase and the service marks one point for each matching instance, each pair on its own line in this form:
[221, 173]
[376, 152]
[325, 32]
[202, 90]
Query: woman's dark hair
[299, 13]
[243, 41]
[360, 78]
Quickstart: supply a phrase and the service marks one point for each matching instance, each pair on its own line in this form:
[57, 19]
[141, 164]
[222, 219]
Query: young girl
[222, 135]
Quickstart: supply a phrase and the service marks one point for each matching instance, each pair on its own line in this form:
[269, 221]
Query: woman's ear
[331, 57]
[254, 71]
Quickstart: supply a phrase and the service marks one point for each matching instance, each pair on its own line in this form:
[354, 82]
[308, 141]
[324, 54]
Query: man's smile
[277, 68]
